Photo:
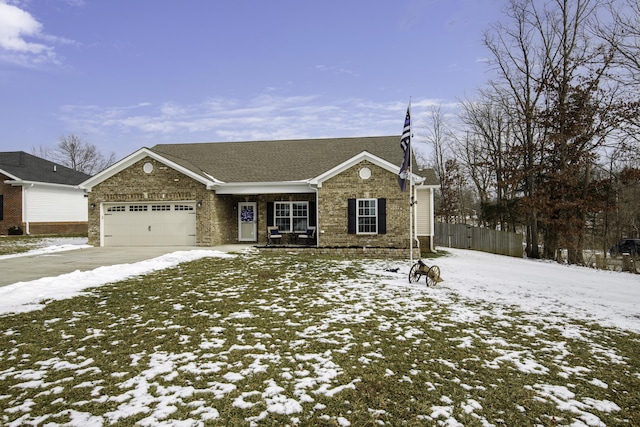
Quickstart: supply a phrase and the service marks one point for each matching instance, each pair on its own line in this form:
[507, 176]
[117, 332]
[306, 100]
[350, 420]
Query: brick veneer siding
[217, 219]
[227, 220]
[12, 206]
[333, 210]
[425, 244]
[162, 184]
[61, 228]
[364, 252]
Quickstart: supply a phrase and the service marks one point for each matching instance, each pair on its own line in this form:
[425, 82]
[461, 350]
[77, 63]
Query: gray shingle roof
[276, 161]
[27, 167]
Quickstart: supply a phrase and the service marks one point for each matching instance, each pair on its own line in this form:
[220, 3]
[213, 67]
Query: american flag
[405, 144]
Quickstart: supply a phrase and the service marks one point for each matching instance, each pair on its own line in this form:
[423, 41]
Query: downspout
[315, 190]
[24, 210]
[432, 218]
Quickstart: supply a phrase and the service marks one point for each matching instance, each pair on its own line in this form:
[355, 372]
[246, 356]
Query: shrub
[15, 231]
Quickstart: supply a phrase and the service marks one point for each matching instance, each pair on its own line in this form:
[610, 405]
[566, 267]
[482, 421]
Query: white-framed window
[291, 216]
[117, 209]
[367, 216]
[183, 208]
[138, 208]
[157, 208]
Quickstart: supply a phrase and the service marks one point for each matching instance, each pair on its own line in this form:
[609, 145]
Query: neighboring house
[208, 194]
[40, 197]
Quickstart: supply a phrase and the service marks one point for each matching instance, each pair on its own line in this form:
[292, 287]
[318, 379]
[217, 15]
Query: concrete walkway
[32, 267]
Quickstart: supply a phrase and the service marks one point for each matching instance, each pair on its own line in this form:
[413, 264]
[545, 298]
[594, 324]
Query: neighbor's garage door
[149, 224]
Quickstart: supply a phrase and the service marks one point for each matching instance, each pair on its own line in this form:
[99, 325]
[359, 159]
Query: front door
[247, 222]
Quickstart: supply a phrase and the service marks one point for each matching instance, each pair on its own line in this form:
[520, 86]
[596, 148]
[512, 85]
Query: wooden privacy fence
[481, 239]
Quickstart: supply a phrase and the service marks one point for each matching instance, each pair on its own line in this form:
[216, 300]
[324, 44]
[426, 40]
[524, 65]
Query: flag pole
[406, 172]
[410, 192]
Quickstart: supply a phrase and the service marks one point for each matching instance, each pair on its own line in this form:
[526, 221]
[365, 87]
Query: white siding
[54, 204]
[423, 212]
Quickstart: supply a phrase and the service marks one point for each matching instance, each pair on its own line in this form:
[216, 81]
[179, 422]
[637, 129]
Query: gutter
[23, 183]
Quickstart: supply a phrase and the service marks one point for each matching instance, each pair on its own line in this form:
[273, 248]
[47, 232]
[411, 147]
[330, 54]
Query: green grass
[327, 333]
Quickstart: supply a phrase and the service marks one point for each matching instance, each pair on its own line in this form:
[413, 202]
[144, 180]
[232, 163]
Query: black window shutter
[351, 204]
[1, 207]
[270, 222]
[382, 216]
[312, 214]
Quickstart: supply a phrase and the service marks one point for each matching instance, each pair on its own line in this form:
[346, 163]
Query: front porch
[250, 219]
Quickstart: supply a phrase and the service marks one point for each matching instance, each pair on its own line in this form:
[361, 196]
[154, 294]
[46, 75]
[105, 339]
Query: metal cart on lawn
[431, 273]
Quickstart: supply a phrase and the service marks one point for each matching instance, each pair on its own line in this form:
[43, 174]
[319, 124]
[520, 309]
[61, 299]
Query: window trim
[381, 216]
[374, 217]
[291, 217]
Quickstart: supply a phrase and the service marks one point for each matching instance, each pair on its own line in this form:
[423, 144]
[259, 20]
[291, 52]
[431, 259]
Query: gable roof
[276, 161]
[256, 167]
[20, 166]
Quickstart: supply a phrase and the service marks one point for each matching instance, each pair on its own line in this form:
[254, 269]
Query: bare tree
[557, 80]
[77, 154]
[452, 207]
[450, 204]
[518, 57]
[620, 30]
[489, 158]
[437, 139]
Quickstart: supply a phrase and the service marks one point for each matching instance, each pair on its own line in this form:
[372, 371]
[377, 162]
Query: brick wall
[333, 210]
[363, 252]
[61, 228]
[224, 222]
[12, 206]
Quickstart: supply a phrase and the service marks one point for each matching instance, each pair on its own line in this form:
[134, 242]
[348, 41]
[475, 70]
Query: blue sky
[123, 74]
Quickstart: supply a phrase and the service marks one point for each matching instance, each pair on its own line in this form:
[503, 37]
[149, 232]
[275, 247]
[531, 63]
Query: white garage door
[149, 224]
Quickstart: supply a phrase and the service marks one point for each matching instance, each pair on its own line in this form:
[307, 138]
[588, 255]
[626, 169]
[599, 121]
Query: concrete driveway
[32, 267]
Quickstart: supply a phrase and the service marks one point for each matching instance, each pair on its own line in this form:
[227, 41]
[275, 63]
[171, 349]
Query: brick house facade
[10, 205]
[40, 197]
[333, 199]
[209, 181]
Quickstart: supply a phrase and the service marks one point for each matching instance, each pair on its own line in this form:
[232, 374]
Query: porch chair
[309, 237]
[273, 235]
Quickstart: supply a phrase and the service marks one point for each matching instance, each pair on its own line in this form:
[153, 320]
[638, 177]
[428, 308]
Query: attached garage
[149, 224]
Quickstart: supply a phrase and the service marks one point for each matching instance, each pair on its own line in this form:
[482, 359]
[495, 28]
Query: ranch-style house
[326, 194]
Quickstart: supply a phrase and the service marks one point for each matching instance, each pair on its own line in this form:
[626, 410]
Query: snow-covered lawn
[14, 246]
[203, 337]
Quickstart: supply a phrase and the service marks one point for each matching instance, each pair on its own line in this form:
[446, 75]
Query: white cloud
[22, 41]
[266, 116]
